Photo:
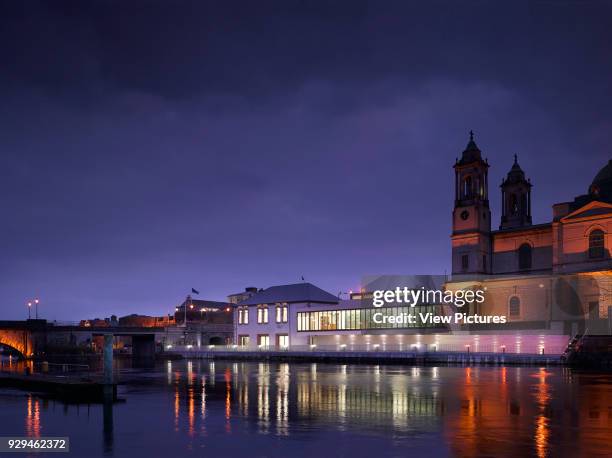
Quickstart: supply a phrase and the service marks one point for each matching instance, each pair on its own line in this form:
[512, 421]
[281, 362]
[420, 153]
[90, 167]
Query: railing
[422, 348]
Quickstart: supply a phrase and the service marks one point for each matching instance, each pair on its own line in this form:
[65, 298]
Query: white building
[269, 318]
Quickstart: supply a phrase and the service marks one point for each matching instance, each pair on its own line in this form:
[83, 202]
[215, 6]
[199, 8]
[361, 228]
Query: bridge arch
[18, 340]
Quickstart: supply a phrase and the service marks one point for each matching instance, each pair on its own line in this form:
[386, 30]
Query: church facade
[552, 277]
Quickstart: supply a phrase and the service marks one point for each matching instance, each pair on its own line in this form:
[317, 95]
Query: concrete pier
[108, 359]
[143, 350]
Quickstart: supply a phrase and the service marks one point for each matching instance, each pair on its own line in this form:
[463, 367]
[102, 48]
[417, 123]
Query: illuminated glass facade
[366, 318]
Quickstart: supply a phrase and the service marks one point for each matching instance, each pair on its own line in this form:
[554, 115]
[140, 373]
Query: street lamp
[29, 310]
[36, 301]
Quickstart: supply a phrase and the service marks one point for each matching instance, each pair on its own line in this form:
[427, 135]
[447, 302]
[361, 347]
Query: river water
[225, 408]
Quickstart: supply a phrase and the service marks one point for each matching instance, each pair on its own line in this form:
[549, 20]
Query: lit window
[263, 340]
[262, 315]
[243, 315]
[281, 313]
[243, 341]
[283, 340]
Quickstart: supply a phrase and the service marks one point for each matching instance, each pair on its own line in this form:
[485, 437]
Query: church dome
[601, 187]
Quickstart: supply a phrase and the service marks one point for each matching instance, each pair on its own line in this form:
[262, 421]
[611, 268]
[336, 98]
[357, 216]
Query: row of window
[356, 319]
[263, 340]
[370, 318]
[282, 314]
[596, 251]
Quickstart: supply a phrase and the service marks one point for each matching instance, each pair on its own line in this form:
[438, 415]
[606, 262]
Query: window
[357, 319]
[596, 244]
[263, 340]
[513, 204]
[243, 341]
[281, 313]
[243, 315]
[262, 315]
[467, 187]
[524, 254]
[594, 310]
[514, 308]
[282, 340]
[465, 262]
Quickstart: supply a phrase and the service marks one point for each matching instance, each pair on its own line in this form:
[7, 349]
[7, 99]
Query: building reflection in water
[470, 411]
[263, 397]
[282, 400]
[476, 410]
[33, 417]
[542, 433]
[228, 400]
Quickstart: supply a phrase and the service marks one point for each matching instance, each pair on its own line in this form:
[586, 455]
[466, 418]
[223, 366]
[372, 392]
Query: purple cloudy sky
[151, 147]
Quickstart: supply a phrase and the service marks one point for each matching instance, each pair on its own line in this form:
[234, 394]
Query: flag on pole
[195, 291]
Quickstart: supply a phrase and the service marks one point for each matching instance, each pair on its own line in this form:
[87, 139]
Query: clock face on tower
[465, 214]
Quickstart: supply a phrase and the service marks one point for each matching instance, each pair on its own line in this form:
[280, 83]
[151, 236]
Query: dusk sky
[151, 147]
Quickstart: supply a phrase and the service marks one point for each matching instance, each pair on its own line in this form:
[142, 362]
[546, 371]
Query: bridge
[32, 337]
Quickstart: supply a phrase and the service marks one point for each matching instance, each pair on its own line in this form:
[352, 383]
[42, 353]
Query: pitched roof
[298, 292]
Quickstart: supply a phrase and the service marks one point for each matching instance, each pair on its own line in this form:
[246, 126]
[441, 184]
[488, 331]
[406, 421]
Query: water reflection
[33, 417]
[461, 411]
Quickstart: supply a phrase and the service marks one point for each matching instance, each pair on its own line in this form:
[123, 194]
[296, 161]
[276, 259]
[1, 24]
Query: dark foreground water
[226, 409]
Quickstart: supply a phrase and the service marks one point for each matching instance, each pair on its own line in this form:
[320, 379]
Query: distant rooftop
[202, 303]
[298, 292]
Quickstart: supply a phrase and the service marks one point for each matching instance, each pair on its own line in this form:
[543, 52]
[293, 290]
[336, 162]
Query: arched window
[513, 204]
[514, 306]
[467, 187]
[596, 244]
[524, 254]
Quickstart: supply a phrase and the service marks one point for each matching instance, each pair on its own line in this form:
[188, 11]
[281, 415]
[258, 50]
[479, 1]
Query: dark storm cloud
[148, 147]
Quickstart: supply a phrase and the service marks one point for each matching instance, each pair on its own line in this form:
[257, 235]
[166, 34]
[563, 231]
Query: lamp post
[29, 310]
[36, 301]
[187, 301]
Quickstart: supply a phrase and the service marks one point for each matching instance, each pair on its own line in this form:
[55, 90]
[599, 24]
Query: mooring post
[108, 358]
